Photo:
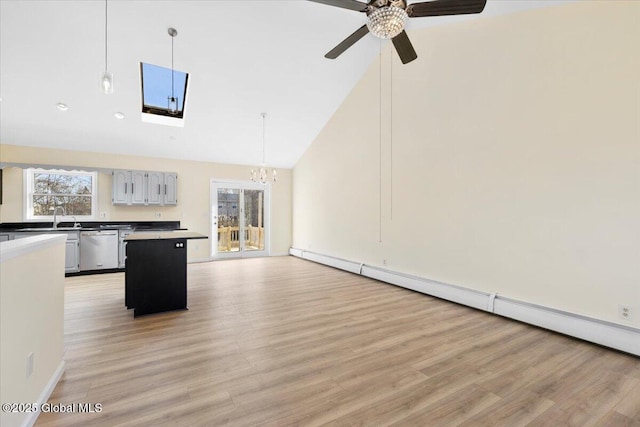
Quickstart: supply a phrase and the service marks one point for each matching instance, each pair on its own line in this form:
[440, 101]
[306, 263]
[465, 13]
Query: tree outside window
[74, 192]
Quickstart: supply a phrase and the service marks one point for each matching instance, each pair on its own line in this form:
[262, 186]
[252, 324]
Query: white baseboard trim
[613, 335]
[620, 337]
[210, 259]
[279, 254]
[453, 293]
[199, 260]
[30, 420]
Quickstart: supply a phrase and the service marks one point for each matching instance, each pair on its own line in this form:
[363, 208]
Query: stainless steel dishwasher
[98, 250]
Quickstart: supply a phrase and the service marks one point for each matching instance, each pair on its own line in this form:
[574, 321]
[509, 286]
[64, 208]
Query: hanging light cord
[106, 15]
[264, 120]
[380, 146]
[172, 97]
[391, 132]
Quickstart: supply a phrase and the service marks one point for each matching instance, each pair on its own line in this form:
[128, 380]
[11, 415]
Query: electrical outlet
[158, 214]
[624, 312]
[384, 262]
[29, 364]
[103, 214]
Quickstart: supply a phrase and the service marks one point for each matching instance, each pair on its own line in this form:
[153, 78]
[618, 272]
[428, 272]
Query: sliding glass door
[239, 219]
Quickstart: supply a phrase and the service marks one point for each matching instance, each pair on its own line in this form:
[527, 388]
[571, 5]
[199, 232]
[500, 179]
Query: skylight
[156, 92]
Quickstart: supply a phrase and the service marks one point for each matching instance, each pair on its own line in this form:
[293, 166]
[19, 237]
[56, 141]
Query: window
[73, 193]
[157, 91]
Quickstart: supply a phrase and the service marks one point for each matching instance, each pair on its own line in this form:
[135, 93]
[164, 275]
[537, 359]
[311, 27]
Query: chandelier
[387, 22]
[261, 175]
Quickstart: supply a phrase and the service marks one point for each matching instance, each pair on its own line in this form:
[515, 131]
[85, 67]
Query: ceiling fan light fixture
[387, 22]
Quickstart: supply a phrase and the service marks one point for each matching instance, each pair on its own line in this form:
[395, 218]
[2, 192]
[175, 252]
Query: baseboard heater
[613, 335]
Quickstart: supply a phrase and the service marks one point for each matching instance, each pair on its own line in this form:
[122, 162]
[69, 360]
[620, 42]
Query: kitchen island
[156, 271]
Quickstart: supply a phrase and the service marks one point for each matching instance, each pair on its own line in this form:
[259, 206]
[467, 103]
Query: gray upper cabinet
[155, 188]
[138, 188]
[121, 187]
[129, 187]
[170, 189]
[144, 188]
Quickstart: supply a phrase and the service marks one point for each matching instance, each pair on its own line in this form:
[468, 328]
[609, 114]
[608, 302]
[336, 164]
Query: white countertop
[15, 248]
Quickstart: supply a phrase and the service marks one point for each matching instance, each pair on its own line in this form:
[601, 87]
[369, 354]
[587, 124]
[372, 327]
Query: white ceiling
[244, 58]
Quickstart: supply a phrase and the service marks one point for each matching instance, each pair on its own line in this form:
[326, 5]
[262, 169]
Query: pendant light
[106, 78]
[261, 175]
[172, 101]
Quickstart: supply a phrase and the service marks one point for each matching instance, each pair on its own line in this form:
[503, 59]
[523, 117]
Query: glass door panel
[228, 220]
[239, 219]
[253, 220]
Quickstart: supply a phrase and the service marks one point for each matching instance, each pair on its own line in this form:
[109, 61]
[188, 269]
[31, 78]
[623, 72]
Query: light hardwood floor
[283, 341]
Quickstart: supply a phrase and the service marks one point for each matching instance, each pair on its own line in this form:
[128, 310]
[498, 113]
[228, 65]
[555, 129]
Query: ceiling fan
[386, 19]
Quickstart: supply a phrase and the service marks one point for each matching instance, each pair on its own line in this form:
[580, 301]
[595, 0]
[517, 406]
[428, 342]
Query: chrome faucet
[55, 218]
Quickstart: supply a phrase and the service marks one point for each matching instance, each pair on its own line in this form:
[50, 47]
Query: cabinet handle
[165, 189]
[132, 188]
[158, 189]
[125, 188]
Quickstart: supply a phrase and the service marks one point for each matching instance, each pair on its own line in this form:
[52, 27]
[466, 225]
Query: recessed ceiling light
[62, 106]
[119, 115]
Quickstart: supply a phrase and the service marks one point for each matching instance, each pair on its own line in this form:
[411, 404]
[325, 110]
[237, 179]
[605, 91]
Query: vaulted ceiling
[244, 58]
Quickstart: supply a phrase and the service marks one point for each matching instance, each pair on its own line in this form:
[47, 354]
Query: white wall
[193, 210]
[31, 320]
[507, 160]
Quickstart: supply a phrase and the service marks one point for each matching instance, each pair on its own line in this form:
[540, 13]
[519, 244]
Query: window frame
[160, 111]
[29, 192]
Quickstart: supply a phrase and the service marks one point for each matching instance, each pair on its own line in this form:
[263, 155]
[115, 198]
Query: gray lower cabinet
[72, 253]
[72, 247]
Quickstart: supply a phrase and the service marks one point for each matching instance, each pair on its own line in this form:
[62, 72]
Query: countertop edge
[164, 235]
[15, 248]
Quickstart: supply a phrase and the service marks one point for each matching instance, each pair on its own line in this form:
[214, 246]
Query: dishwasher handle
[99, 233]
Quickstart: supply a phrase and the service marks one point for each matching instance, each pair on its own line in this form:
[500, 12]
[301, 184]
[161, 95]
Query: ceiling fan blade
[404, 48]
[345, 4]
[445, 7]
[347, 43]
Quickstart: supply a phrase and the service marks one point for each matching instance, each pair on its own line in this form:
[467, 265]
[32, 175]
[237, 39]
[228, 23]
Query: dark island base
[156, 276]
[91, 272]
